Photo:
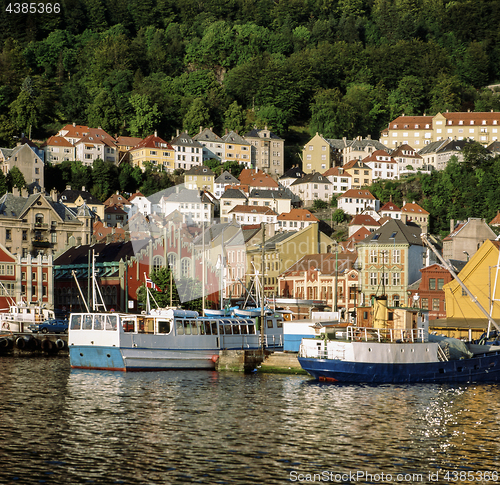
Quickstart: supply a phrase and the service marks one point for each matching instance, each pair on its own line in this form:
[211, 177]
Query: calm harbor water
[60, 426]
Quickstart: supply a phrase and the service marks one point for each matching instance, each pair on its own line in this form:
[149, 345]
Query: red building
[428, 294]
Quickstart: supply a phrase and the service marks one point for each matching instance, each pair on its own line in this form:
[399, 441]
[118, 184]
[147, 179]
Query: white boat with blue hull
[372, 355]
[164, 339]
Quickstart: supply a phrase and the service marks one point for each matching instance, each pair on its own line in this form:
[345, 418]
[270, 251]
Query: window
[432, 283]
[435, 304]
[396, 256]
[25, 235]
[396, 280]
[373, 279]
[8, 234]
[425, 303]
[373, 256]
[385, 279]
[440, 283]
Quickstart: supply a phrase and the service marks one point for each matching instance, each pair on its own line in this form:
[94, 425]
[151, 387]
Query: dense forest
[340, 67]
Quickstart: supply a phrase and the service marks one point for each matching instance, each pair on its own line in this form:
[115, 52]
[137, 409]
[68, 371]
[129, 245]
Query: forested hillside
[343, 68]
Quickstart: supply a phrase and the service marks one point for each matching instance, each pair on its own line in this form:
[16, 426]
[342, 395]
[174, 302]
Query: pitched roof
[70, 196]
[390, 207]
[57, 141]
[79, 131]
[226, 178]
[134, 196]
[363, 220]
[104, 253]
[360, 234]
[326, 263]
[399, 152]
[403, 122]
[233, 194]
[255, 134]
[153, 141]
[256, 178]
[185, 140]
[310, 178]
[295, 172]
[114, 209]
[396, 232]
[298, 215]
[253, 209]
[496, 220]
[116, 199]
[414, 209]
[358, 194]
[207, 135]
[356, 164]
[269, 194]
[129, 141]
[233, 137]
[199, 170]
[335, 172]
[378, 153]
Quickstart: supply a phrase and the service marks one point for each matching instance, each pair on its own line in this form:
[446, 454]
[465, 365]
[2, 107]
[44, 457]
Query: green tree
[146, 118]
[3, 184]
[339, 216]
[407, 98]
[234, 118]
[103, 112]
[15, 178]
[196, 116]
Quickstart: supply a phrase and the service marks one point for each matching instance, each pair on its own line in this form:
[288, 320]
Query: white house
[383, 165]
[245, 214]
[188, 152]
[355, 201]
[196, 209]
[139, 203]
[311, 187]
[341, 180]
[222, 181]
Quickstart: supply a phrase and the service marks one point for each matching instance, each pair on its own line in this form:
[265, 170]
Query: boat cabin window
[179, 327]
[207, 326]
[227, 329]
[214, 327]
[111, 322]
[279, 323]
[87, 322]
[236, 329]
[251, 329]
[244, 329]
[140, 325]
[99, 322]
[194, 327]
[187, 327]
[200, 327]
[128, 325]
[76, 322]
[149, 325]
[269, 323]
[163, 326]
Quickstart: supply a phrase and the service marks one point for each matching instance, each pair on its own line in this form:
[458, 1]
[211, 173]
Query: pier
[23, 343]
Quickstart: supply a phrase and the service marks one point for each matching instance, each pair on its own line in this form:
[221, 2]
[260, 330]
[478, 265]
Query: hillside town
[226, 231]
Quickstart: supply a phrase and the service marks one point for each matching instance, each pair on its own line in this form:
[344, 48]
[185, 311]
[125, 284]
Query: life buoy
[6, 325]
[215, 358]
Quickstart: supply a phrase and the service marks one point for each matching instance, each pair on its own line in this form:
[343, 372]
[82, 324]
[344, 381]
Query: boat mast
[262, 284]
[450, 269]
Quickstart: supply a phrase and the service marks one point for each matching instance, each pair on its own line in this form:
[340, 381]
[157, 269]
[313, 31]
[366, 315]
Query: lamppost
[335, 306]
[467, 254]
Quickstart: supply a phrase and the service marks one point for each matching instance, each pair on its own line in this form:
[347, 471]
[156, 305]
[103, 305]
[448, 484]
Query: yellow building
[199, 177]
[282, 250]
[418, 131]
[361, 174]
[480, 277]
[317, 155]
[155, 150]
[237, 149]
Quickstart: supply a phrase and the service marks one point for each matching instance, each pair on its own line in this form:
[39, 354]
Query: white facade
[356, 201]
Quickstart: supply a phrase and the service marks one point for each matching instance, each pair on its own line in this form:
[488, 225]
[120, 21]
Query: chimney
[226, 131]
[68, 187]
[83, 188]
[53, 195]
[452, 224]
[177, 131]
[117, 192]
[74, 124]
[201, 128]
[24, 192]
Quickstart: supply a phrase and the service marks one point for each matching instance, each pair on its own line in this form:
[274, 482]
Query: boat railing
[272, 341]
[365, 334]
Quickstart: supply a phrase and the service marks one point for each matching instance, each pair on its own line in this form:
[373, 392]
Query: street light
[467, 254]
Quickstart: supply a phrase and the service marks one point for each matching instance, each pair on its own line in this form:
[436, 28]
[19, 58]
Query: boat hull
[480, 368]
[137, 359]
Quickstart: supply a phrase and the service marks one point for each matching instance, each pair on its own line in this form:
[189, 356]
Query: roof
[358, 194]
[403, 122]
[255, 134]
[185, 140]
[295, 172]
[355, 164]
[233, 137]
[116, 199]
[390, 207]
[298, 215]
[187, 196]
[134, 196]
[104, 253]
[226, 178]
[269, 194]
[153, 141]
[360, 234]
[14, 207]
[399, 152]
[396, 232]
[326, 263]
[496, 220]
[233, 194]
[70, 196]
[114, 209]
[414, 209]
[207, 135]
[199, 170]
[253, 209]
[363, 220]
[256, 178]
[335, 172]
[310, 178]
[129, 141]
[57, 141]
[79, 131]
[477, 117]
[378, 153]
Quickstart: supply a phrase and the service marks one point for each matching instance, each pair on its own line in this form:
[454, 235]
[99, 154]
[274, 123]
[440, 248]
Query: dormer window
[460, 122]
[484, 122]
[471, 122]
